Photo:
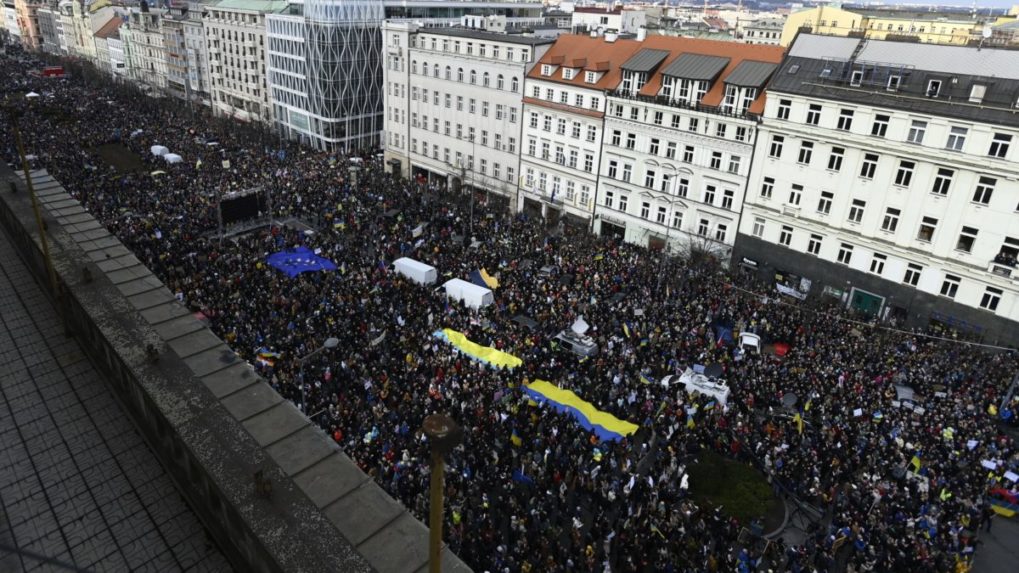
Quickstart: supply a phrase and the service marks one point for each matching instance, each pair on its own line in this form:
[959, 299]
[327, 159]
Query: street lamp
[443, 435]
[331, 342]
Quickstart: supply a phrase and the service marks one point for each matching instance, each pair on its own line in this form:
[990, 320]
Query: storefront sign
[789, 291]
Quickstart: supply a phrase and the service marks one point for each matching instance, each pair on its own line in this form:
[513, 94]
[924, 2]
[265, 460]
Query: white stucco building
[886, 175]
[453, 112]
[144, 48]
[679, 139]
[235, 41]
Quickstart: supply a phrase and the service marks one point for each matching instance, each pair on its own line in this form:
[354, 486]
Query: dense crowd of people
[897, 488]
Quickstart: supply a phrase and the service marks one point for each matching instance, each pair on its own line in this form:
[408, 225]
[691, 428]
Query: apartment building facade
[885, 175]
[144, 48]
[235, 41]
[679, 138]
[565, 98]
[454, 106]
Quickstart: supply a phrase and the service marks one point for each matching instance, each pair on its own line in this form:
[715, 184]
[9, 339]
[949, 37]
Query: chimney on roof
[641, 34]
[611, 37]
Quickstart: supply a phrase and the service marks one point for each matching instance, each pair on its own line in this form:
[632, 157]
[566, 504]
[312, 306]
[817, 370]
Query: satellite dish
[988, 33]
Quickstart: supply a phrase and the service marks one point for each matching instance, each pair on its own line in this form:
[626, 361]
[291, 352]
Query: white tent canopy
[31, 95]
[172, 158]
[416, 270]
[471, 294]
[158, 150]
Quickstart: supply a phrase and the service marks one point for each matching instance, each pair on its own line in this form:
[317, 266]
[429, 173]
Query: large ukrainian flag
[485, 354]
[606, 426]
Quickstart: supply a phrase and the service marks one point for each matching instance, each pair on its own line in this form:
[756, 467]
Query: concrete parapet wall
[209, 418]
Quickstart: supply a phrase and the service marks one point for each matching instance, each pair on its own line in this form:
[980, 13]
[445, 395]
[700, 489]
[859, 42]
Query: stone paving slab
[72, 468]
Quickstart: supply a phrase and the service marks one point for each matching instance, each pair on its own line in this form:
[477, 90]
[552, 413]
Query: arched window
[460, 74]
[474, 77]
[485, 80]
[449, 73]
[414, 67]
[500, 83]
[435, 70]
[514, 85]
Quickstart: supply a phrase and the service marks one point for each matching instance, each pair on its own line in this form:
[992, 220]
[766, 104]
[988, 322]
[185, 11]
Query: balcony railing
[670, 102]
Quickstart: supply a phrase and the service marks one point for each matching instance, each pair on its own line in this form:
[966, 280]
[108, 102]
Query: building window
[659, 117]
[795, 193]
[645, 210]
[609, 195]
[635, 113]
[917, 130]
[741, 133]
[877, 263]
[709, 194]
[927, 227]
[758, 227]
[592, 133]
[943, 181]
[622, 203]
[845, 119]
[814, 114]
[956, 138]
[627, 172]
[891, 220]
[720, 231]
[670, 150]
[814, 245]
[934, 87]
[824, 203]
[999, 145]
[784, 106]
[693, 124]
[984, 190]
[683, 187]
[590, 77]
[776, 146]
[856, 210]
[677, 219]
[905, 173]
[561, 126]
[631, 140]
[716, 159]
[654, 146]
[703, 227]
[913, 272]
[950, 286]
[967, 237]
[835, 159]
[806, 152]
[880, 127]
[728, 196]
[869, 165]
[720, 130]
[734, 164]
[786, 236]
[767, 187]
[649, 179]
[991, 298]
[845, 253]
[688, 154]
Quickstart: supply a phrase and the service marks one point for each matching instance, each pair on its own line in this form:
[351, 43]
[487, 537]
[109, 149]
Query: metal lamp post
[331, 342]
[443, 434]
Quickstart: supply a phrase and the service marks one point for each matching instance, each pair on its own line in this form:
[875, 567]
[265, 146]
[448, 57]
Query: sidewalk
[78, 485]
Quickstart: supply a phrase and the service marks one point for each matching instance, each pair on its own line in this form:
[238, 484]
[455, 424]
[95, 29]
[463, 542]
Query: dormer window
[568, 73]
[546, 70]
[893, 83]
[633, 81]
[591, 77]
[933, 88]
[976, 94]
[729, 102]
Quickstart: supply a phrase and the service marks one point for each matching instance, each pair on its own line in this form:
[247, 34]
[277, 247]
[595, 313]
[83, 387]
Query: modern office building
[886, 174]
[326, 62]
[454, 104]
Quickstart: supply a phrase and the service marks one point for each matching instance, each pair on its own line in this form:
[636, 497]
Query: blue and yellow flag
[799, 422]
[515, 438]
[626, 330]
[490, 281]
[915, 463]
[606, 426]
[645, 379]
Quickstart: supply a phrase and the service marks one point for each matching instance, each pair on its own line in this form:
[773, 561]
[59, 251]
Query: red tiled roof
[110, 29]
[600, 55]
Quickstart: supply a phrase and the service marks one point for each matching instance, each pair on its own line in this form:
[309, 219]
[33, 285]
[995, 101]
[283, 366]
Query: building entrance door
[866, 303]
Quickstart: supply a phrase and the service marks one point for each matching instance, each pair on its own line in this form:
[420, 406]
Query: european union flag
[293, 262]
